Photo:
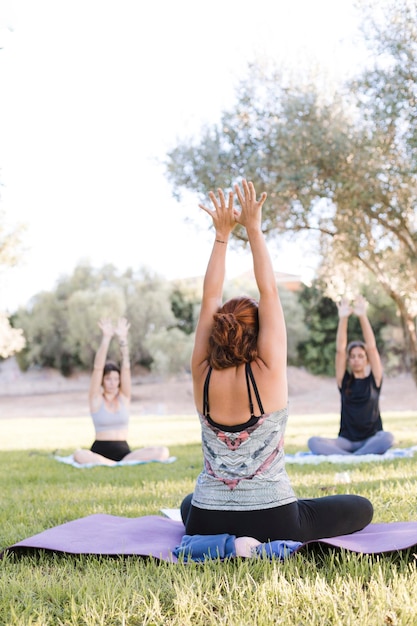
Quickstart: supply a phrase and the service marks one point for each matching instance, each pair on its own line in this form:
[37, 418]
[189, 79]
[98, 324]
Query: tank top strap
[249, 379]
[206, 410]
[249, 375]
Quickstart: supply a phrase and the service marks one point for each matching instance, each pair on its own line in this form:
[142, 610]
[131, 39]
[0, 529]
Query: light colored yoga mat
[303, 458]
[69, 460]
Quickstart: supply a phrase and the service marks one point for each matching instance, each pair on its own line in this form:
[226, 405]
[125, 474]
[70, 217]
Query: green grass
[319, 587]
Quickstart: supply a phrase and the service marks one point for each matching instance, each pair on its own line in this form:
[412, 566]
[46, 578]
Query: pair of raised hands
[225, 215]
[358, 307]
[121, 329]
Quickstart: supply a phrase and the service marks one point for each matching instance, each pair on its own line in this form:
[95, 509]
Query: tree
[149, 310]
[376, 214]
[84, 308]
[317, 353]
[10, 243]
[45, 328]
[184, 304]
[11, 339]
[61, 326]
[171, 351]
[341, 167]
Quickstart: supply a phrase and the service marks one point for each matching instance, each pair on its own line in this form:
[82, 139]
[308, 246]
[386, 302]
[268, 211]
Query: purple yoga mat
[150, 535]
[157, 536]
[376, 538]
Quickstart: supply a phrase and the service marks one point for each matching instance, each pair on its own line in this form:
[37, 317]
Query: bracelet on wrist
[220, 241]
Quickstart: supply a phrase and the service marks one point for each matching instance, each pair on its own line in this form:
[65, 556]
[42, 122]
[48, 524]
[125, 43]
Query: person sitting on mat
[239, 373]
[359, 381]
[109, 400]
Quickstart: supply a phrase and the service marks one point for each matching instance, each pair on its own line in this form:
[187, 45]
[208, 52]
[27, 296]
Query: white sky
[94, 92]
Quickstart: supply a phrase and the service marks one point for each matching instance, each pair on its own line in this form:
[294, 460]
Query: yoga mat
[158, 536]
[110, 535]
[305, 458]
[69, 460]
[375, 538]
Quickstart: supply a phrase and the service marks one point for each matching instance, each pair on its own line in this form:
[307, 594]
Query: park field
[321, 587]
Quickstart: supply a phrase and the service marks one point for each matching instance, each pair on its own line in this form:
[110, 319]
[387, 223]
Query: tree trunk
[410, 335]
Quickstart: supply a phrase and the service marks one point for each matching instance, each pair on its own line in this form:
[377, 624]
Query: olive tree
[339, 166]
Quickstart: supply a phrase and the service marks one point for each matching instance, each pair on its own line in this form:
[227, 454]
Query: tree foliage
[61, 326]
[171, 351]
[183, 307]
[318, 353]
[10, 243]
[340, 166]
[11, 339]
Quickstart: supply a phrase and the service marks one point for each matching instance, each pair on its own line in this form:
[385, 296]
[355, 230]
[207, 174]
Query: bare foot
[245, 546]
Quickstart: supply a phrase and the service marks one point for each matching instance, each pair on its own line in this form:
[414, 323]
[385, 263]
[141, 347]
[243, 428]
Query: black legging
[303, 520]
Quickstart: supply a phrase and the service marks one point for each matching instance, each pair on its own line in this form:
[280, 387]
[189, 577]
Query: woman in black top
[359, 382]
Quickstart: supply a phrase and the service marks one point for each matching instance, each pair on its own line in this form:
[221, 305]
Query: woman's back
[228, 392]
[240, 330]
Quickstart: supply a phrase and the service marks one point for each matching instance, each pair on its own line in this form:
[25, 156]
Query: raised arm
[224, 216]
[359, 308]
[272, 336]
[107, 329]
[344, 310]
[122, 330]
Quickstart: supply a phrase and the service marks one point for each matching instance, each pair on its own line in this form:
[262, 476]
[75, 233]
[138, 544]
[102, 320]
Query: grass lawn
[328, 587]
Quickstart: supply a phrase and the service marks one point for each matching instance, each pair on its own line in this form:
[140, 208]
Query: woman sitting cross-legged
[239, 372]
[109, 399]
[359, 379]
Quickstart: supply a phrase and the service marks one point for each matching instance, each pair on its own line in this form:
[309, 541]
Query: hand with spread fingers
[122, 329]
[251, 209]
[223, 214]
[360, 306]
[106, 327]
[344, 308]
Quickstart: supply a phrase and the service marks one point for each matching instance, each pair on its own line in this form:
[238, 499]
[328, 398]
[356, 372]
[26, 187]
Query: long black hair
[357, 343]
